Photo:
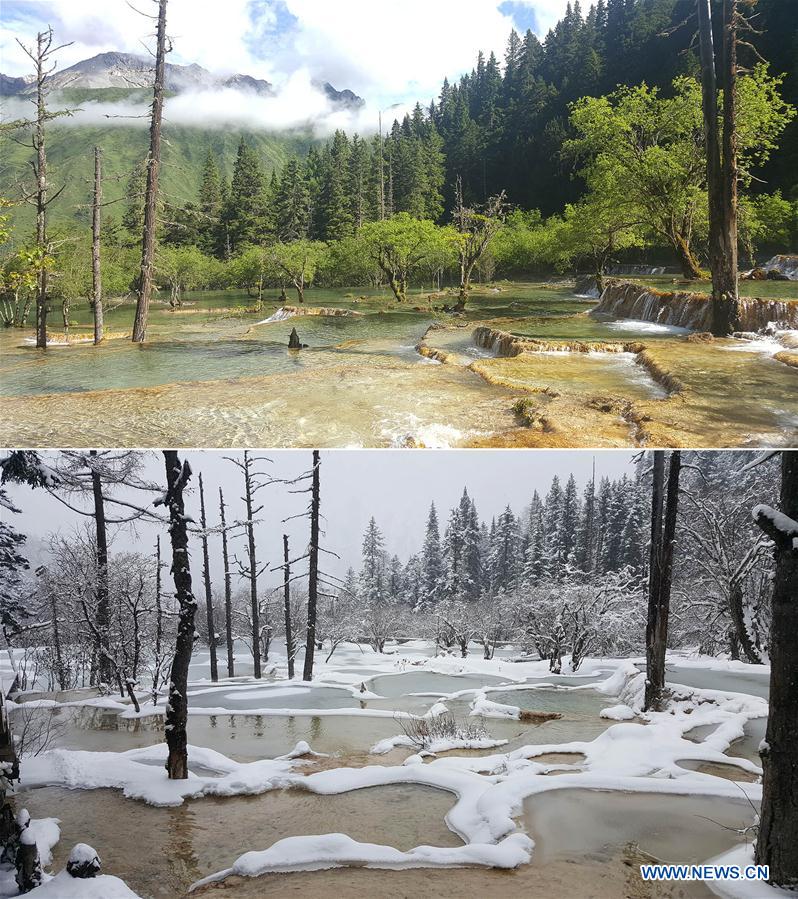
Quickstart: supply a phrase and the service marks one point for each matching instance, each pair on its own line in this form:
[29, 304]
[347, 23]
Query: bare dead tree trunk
[313, 574]
[41, 56]
[177, 476]
[151, 192]
[663, 533]
[102, 609]
[158, 621]
[729, 318]
[655, 660]
[43, 40]
[228, 596]
[289, 636]
[253, 565]
[60, 670]
[382, 173]
[206, 577]
[777, 841]
[96, 273]
[722, 194]
[742, 635]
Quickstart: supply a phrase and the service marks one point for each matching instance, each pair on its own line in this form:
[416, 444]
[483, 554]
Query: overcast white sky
[396, 486]
[387, 51]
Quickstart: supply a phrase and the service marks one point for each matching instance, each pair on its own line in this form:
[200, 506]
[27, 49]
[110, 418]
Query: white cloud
[386, 50]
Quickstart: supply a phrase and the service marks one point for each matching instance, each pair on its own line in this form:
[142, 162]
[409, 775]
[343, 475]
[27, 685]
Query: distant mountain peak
[129, 70]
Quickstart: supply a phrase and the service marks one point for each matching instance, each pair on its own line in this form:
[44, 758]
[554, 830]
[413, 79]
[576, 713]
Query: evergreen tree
[569, 522]
[432, 559]
[504, 557]
[245, 211]
[471, 566]
[552, 518]
[291, 203]
[133, 214]
[453, 555]
[372, 587]
[335, 213]
[210, 207]
[585, 553]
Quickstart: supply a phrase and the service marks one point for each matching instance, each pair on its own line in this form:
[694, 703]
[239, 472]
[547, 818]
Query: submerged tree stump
[29, 869]
[294, 342]
[83, 862]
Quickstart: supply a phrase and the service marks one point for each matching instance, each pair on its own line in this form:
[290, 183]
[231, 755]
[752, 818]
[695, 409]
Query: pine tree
[210, 207]
[471, 564]
[552, 518]
[413, 577]
[291, 203]
[453, 555]
[432, 559]
[395, 584]
[133, 214]
[361, 209]
[585, 553]
[244, 215]
[372, 574]
[504, 558]
[535, 543]
[569, 522]
[335, 214]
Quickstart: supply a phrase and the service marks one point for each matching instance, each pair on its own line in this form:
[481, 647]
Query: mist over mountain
[127, 70]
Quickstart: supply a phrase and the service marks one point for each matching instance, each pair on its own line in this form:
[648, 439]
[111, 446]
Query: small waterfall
[623, 299]
[506, 345]
[785, 265]
[636, 270]
[285, 312]
[280, 315]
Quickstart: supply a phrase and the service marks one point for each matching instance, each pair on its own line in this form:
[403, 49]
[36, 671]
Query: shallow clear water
[757, 683]
[362, 383]
[570, 702]
[160, 852]
[690, 829]
[265, 697]
[391, 685]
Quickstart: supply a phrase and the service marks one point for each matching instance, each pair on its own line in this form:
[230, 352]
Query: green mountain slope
[70, 154]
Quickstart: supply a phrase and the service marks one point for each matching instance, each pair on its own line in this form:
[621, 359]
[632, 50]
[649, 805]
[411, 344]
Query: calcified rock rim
[509, 345]
[686, 309]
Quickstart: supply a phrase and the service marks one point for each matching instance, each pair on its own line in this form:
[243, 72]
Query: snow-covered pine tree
[471, 567]
[432, 560]
[552, 521]
[372, 588]
[569, 523]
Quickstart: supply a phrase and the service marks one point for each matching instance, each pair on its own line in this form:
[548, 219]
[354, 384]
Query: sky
[390, 52]
[395, 486]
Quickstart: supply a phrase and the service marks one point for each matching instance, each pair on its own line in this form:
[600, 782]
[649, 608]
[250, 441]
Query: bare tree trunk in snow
[228, 594]
[663, 532]
[777, 841]
[206, 577]
[289, 635]
[177, 476]
[313, 575]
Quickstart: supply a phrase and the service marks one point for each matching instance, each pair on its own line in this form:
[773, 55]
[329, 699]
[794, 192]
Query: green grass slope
[70, 155]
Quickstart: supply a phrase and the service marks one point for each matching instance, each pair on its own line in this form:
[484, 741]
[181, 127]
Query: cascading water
[624, 299]
[285, 312]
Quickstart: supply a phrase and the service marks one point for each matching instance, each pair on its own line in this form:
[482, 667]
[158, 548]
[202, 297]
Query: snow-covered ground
[623, 750]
